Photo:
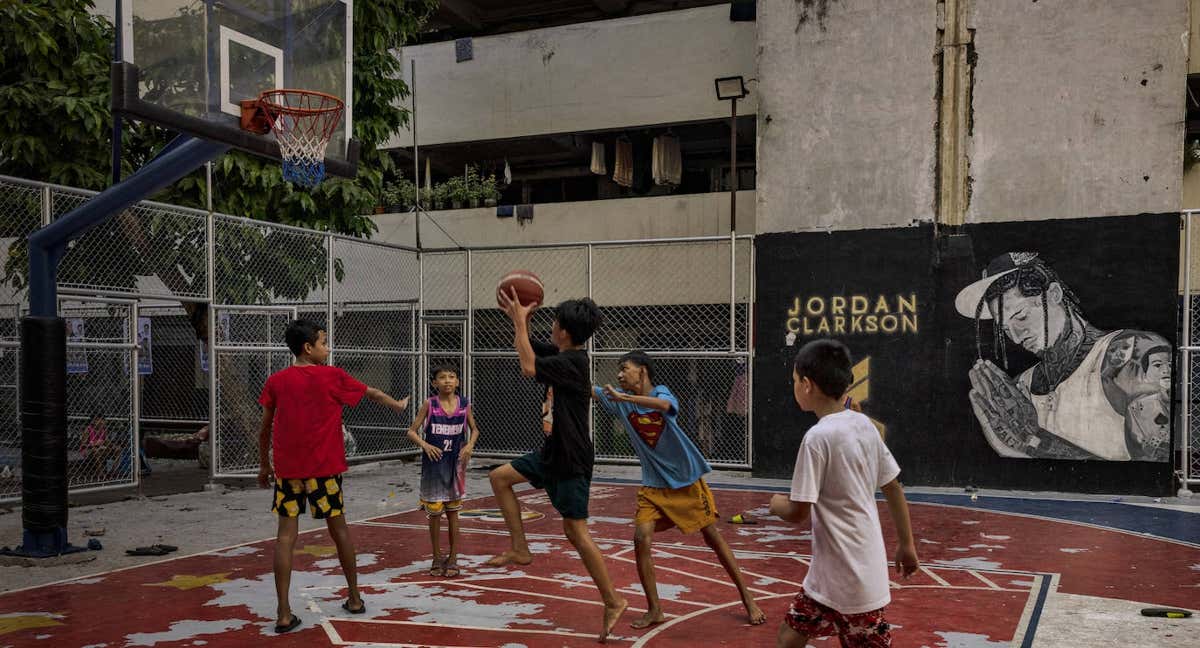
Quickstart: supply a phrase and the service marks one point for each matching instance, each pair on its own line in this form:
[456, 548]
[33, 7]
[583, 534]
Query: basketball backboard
[185, 65]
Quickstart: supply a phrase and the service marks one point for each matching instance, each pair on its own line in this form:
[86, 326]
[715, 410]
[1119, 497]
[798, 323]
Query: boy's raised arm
[378, 396]
[519, 314]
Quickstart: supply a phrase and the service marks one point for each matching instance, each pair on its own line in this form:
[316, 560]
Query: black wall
[1123, 269]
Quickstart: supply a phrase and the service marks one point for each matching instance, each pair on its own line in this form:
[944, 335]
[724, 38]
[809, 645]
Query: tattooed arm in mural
[1005, 409]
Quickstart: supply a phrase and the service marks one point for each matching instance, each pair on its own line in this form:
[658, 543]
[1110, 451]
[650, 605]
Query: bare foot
[653, 617]
[612, 614]
[510, 557]
[757, 617]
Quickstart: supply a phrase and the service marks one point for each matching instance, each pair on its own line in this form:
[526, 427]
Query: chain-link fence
[175, 279]
[103, 365]
[686, 302]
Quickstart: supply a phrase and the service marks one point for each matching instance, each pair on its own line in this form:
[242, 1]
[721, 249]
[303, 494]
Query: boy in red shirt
[304, 404]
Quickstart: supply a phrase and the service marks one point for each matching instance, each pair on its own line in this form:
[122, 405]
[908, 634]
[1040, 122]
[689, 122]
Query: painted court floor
[988, 569]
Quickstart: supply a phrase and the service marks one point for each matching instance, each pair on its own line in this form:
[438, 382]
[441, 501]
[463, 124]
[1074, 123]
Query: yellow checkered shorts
[323, 493]
[434, 509]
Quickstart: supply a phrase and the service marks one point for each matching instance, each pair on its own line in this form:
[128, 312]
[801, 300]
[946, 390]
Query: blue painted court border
[999, 504]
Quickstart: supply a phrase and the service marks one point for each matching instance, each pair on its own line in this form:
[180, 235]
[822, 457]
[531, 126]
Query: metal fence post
[210, 254]
[468, 335]
[1186, 359]
[330, 280]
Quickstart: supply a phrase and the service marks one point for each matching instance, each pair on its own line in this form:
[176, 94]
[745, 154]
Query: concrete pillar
[955, 41]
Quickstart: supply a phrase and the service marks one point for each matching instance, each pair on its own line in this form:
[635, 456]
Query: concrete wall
[572, 222]
[847, 114]
[651, 69]
[629, 275]
[1078, 108]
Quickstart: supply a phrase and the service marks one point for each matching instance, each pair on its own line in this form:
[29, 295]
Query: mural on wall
[1090, 394]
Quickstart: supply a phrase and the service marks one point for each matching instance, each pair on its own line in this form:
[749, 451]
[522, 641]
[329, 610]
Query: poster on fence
[76, 358]
[145, 355]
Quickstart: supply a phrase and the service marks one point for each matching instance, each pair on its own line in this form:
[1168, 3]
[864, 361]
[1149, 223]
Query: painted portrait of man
[1091, 394]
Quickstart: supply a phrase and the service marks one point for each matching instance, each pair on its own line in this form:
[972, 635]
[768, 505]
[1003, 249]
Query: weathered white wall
[1078, 108]
[652, 69]
[846, 116]
[572, 222]
[632, 274]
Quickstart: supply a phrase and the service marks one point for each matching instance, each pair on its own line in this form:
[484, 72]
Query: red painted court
[986, 575]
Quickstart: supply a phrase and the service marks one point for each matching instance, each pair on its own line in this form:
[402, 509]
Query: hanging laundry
[598, 166]
[667, 161]
[507, 173]
[623, 164]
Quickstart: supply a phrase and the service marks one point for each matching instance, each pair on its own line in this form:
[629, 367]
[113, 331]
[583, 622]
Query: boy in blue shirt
[673, 492]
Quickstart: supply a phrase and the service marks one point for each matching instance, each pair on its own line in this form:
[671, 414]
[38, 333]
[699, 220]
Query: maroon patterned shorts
[866, 630]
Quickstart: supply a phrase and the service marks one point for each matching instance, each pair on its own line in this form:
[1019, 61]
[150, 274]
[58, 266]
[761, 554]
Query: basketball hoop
[303, 122]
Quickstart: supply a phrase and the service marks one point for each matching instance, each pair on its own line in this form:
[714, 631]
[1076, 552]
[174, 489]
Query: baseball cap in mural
[968, 298]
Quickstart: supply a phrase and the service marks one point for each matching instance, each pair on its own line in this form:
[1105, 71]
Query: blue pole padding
[48, 244]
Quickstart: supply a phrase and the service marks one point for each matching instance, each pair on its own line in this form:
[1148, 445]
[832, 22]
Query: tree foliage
[55, 125]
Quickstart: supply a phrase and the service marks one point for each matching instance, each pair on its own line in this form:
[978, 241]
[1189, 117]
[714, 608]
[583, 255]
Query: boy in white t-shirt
[841, 463]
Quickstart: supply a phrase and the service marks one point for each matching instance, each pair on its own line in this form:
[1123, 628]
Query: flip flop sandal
[449, 570]
[166, 547]
[146, 551]
[361, 609]
[438, 567]
[295, 623]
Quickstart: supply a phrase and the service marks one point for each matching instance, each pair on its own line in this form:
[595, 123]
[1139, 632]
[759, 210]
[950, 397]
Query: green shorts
[569, 496]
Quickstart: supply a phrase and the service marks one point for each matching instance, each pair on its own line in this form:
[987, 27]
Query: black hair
[1032, 279]
[827, 364]
[444, 367]
[642, 360]
[579, 318]
[1158, 348]
[301, 332]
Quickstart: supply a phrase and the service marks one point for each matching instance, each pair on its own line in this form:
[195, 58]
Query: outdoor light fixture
[733, 87]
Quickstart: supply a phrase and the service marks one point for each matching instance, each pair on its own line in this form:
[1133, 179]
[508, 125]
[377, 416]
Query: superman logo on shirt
[649, 426]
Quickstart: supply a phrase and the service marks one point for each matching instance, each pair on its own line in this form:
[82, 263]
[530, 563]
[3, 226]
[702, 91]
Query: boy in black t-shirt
[564, 466]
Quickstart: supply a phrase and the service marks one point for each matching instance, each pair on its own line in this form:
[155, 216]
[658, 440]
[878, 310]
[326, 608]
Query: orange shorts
[690, 508]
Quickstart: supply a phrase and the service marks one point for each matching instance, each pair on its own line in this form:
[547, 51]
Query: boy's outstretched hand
[906, 560]
[401, 405]
[613, 395]
[516, 311]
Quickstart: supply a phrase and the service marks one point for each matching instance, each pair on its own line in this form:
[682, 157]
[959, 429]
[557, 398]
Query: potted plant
[474, 187]
[457, 192]
[491, 191]
[399, 196]
[440, 196]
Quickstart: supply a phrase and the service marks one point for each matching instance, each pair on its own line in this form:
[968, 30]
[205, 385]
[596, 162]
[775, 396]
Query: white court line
[699, 577]
[557, 633]
[982, 578]
[633, 592]
[331, 633]
[472, 582]
[193, 555]
[621, 552]
[749, 573]
[934, 576]
[537, 594]
[663, 626]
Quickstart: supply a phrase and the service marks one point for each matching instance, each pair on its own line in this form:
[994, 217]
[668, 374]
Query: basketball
[528, 287]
